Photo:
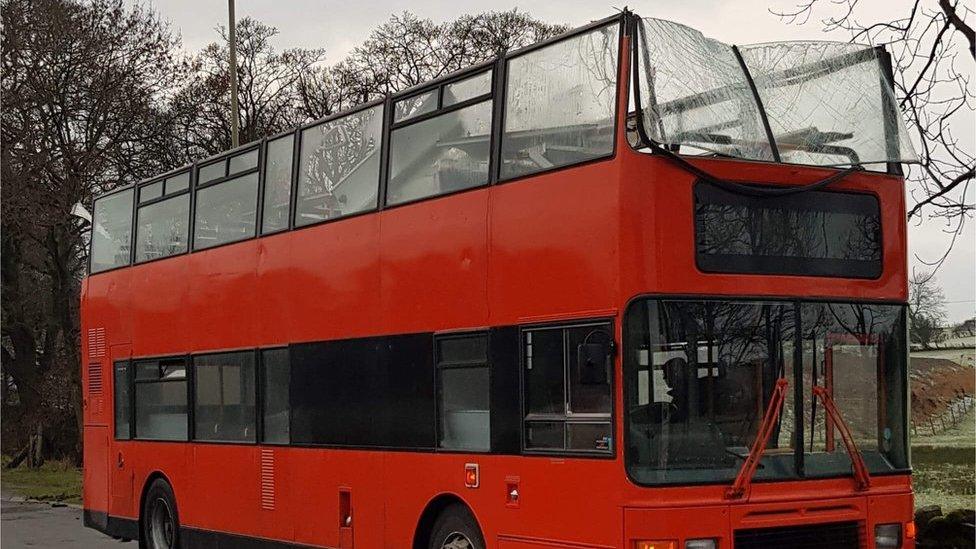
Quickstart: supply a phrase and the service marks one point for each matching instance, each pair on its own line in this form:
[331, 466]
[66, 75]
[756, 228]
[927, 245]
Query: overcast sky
[340, 26]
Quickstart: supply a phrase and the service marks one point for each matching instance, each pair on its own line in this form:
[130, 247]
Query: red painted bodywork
[575, 243]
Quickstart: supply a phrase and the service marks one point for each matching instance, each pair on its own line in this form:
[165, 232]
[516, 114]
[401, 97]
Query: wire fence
[946, 420]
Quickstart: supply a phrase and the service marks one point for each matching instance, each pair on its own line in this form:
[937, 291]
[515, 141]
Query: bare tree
[82, 84]
[407, 50]
[96, 94]
[933, 49]
[926, 308]
[267, 84]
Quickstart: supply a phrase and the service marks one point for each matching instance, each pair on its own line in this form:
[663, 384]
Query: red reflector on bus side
[471, 476]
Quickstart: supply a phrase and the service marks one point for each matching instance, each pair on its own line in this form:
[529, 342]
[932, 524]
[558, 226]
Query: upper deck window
[162, 228]
[560, 103]
[112, 231]
[415, 105]
[277, 183]
[469, 88]
[816, 233]
[819, 103]
[339, 167]
[447, 152]
[226, 211]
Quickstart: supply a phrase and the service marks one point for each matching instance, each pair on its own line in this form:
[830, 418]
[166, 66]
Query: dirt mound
[935, 383]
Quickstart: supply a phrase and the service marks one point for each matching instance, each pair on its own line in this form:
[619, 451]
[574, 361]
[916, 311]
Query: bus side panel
[315, 492]
[318, 283]
[220, 305]
[95, 473]
[553, 244]
[160, 300]
[434, 263]
[564, 501]
[171, 460]
[225, 487]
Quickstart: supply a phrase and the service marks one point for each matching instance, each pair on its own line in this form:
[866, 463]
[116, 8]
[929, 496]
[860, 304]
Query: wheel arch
[434, 507]
[150, 479]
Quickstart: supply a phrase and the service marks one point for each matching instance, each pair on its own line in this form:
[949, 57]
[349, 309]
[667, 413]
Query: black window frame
[297, 161]
[261, 399]
[499, 130]
[129, 405]
[802, 266]
[256, 395]
[440, 365]
[161, 361]
[292, 180]
[797, 385]
[132, 227]
[437, 86]
[137, 206]
[567, 418]
[225, 158]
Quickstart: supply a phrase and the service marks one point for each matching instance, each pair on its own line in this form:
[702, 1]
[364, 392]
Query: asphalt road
[40, 526]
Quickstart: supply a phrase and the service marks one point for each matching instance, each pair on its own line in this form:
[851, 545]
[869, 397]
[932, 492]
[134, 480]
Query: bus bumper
[840, 523]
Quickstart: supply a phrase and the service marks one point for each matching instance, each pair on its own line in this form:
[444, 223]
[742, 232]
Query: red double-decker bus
[630, 287]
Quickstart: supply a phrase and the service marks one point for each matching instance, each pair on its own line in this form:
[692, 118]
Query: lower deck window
[812, 233]
[275, 375]
[462, 392]
[123, 401]
[567, 385]
[161, 399]
[223, 406]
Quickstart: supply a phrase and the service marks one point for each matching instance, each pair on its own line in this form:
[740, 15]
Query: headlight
[701, 544]
[887, 535]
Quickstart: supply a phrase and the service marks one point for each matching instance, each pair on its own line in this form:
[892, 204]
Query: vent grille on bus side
[96, 342]
[838, 535]
[267, 479]
[95, 378]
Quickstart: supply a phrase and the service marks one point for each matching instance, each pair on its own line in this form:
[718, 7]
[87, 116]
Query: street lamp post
[232, 38]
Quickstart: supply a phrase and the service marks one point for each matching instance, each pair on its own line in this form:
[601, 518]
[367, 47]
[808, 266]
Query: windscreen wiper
[862, 478]
[770, 419]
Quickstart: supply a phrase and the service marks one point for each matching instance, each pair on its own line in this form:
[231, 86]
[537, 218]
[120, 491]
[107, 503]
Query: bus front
[764, 352]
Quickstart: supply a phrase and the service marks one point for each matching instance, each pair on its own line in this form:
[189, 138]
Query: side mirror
[593, 363]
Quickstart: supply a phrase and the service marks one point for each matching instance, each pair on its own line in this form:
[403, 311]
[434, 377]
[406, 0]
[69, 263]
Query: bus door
[121, 476]
[95, 409]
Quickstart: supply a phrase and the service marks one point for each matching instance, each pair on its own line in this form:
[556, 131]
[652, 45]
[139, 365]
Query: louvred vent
[95, 378]
[96, 342]
[267, 479]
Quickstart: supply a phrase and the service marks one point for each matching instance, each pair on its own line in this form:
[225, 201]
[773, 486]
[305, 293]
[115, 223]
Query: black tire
[160, 519]
[456, 528]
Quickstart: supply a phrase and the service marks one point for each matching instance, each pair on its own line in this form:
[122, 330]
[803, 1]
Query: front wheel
[160, 520]
[456, 528]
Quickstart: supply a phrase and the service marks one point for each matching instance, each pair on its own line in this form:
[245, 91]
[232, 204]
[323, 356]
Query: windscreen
[699, 377]
[817, 103]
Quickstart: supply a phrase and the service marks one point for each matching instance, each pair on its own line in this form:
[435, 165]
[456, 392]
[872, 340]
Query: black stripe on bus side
[116, 527]
[197, 538]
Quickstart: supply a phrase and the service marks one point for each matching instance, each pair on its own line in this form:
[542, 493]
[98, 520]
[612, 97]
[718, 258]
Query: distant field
[945, 467]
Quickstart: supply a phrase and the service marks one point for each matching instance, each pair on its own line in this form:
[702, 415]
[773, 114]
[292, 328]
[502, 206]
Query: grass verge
[53, 481]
